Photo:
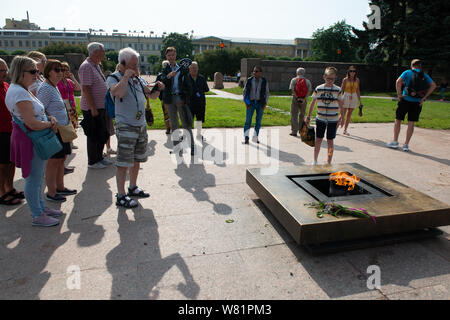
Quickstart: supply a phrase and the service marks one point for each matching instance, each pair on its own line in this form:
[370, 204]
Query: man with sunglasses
[256, 95]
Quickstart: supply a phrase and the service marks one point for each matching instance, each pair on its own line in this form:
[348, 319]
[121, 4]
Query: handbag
[67, 132]
[149, 116]
[308, 135]
[45, 142]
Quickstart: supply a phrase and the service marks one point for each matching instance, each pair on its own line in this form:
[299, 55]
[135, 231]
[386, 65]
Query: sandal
[16, 194]
[136, 192]
[125, 201]
[11, 202]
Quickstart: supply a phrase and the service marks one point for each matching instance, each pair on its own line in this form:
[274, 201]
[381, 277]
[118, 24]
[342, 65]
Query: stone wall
[73, 59]
[280, 73]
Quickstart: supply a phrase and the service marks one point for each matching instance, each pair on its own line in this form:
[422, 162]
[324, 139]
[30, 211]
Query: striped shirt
[327, 102]
[91, 75]
[53, 103]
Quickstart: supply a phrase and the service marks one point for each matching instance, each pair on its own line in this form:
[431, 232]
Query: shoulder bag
[45, 142]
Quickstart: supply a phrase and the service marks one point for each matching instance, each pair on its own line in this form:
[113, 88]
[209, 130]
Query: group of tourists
[335, 104]
[41, 97]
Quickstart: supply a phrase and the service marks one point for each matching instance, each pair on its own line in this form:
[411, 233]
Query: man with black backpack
[301, 88]
[416, 86]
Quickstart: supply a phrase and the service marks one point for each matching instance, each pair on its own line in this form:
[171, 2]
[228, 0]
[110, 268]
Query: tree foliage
[60, 48]
[226, 61]
[18, 52]
[181, 42]
[333, 44]
[409, 30]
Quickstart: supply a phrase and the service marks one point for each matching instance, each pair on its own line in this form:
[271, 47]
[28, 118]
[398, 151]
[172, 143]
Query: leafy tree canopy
[181, 42]
[333, 44]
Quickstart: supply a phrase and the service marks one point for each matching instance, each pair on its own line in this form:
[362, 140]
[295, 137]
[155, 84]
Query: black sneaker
[168, 131]
[247, 139]
[68, 170]
[56, 198]
[67, 192]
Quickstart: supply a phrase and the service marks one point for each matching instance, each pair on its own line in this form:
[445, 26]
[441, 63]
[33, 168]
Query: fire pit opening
[337, 186]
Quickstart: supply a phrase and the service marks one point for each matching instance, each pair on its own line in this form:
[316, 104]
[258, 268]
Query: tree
[19, 52]
[226, 61]
[110, 61]
[181, 42]
[60, 48]
[333, 44]
[3, 53]
[409, 30]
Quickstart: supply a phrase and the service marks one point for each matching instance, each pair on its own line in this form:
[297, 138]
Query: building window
[34, 43]
[148, 47]
[153, 47]
[40, 44]
[1, 43]
[20, 43]
[46, 43]
[27, 43]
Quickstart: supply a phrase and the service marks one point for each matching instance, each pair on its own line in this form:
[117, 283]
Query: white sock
[198, 125]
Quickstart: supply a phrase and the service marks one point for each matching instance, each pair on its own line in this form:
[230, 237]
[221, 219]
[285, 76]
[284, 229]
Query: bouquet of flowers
[336, 209]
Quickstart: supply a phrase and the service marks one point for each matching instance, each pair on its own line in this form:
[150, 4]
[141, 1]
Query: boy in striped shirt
[329, 108]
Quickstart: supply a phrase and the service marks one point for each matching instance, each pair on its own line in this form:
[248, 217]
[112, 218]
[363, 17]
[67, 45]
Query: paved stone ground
[178, 244]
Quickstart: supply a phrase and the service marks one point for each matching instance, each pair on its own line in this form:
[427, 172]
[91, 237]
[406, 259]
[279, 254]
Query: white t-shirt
[17, 93]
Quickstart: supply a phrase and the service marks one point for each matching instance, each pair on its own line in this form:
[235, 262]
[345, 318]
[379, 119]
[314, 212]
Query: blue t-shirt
[406, 76]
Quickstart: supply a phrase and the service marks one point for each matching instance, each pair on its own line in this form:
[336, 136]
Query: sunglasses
[351, 70]
[32, 71]
[330, 79]
[57, 70]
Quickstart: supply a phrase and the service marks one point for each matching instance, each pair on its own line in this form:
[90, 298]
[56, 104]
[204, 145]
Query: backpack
[418, 85]
[301, 89]
[110, 105]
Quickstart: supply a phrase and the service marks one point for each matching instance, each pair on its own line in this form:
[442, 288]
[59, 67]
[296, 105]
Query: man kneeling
[129, 93]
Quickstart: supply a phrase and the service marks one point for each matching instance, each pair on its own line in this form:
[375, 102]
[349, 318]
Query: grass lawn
[221, 113]
[227, 113]
[434, 96]
[435, 115]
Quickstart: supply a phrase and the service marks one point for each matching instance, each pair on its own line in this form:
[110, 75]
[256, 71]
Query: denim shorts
[321, 126]
[131, 145]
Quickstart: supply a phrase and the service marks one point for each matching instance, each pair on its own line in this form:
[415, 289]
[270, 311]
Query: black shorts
[198, 111]
[413, 109]
[66, 149]
[330, 127]
[5, 144]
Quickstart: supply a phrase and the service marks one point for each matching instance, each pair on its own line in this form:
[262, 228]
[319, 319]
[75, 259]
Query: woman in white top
[53, 102]
[41, 60]
[26, 108]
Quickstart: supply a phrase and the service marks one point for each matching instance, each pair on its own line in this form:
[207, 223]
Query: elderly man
[301, 88]
[8, 195]
[93, 91]
[129, 93]
[197, 100]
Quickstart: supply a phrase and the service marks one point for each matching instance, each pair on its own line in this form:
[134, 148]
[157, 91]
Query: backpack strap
[109, 89]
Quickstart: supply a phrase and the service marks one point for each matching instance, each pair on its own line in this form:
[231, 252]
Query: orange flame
[342, 178]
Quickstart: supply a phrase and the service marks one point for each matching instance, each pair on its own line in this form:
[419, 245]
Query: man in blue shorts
[416, 86]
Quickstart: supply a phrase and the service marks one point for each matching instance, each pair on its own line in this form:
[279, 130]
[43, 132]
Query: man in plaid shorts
[129, 94]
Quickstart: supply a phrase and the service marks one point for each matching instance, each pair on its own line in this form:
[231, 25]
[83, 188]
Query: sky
[265, 19]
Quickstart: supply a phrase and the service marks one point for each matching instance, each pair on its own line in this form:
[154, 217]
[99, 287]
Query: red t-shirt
[5, 115]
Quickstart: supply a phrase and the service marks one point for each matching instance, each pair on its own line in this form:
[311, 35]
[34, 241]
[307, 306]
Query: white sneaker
[106, 162]
[392, 145]
[314, 163]
[98, 165]
[405, 147]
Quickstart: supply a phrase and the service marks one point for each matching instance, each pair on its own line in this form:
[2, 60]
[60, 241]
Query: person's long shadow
[382, 144]
[195, 179]
[89, 204]
[139, 247]
[345, 273]
[24, 254]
